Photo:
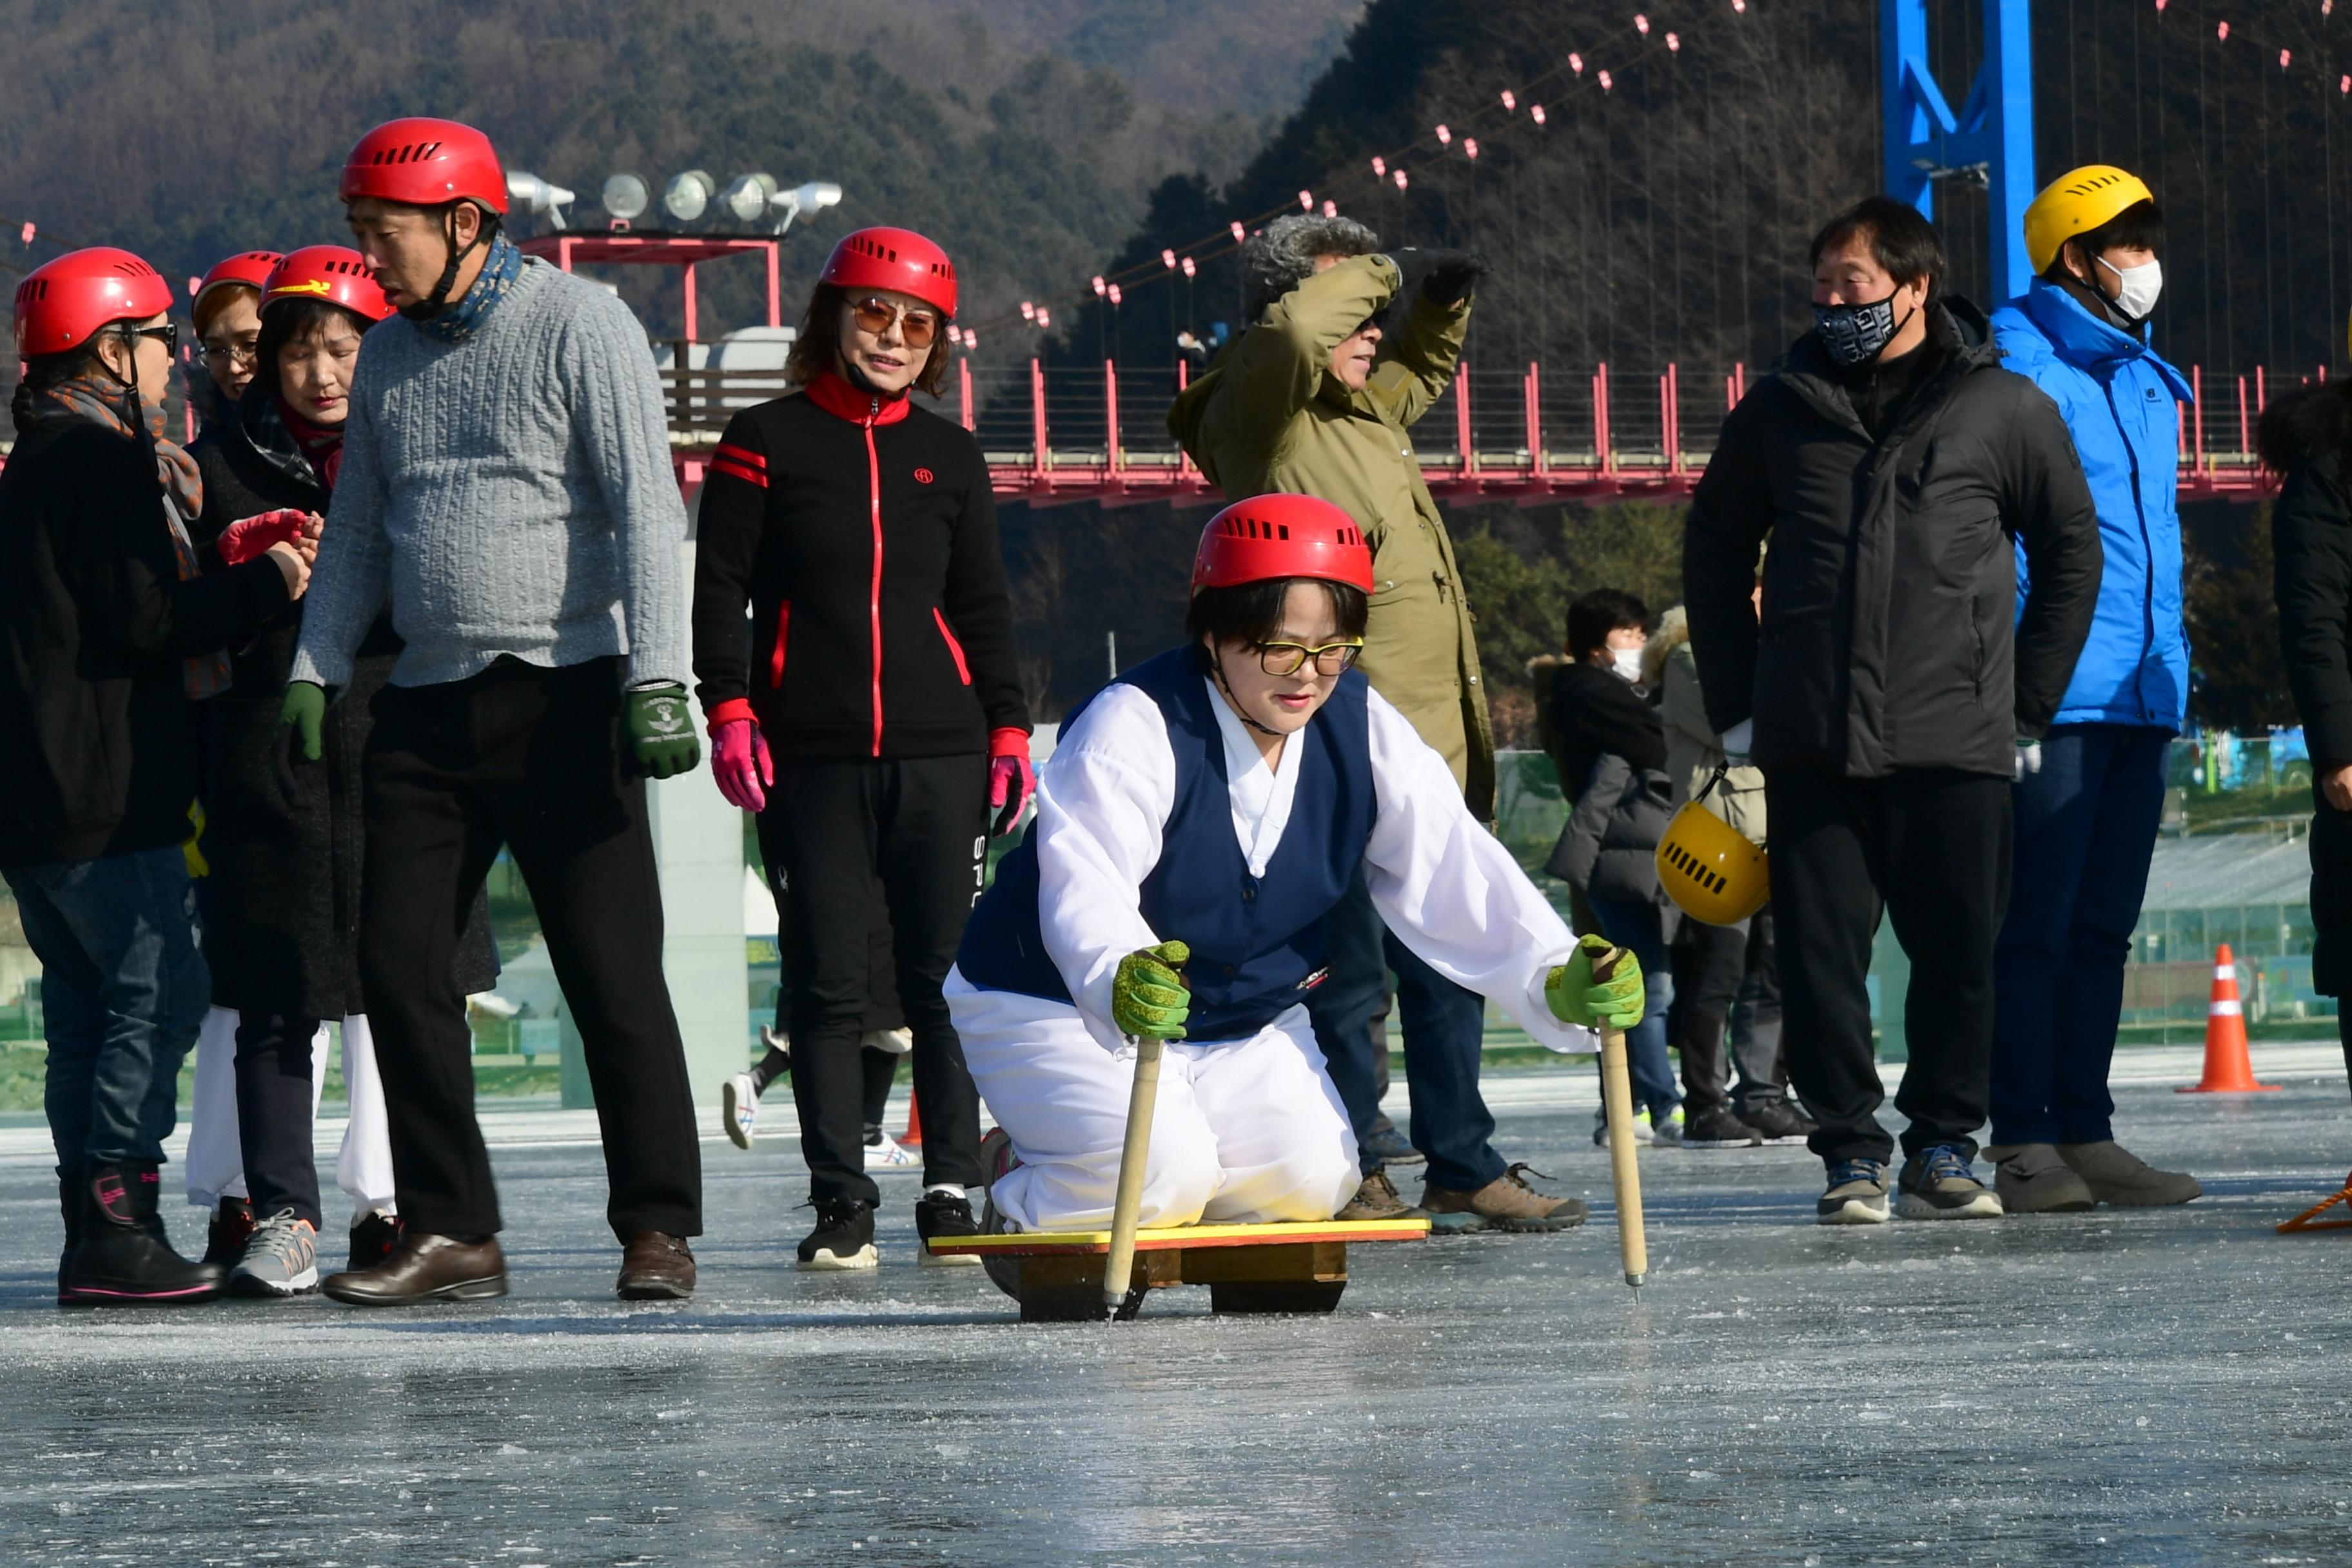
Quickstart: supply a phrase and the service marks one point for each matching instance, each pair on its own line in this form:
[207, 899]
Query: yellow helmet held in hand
[1711, 871]
[2077, 201]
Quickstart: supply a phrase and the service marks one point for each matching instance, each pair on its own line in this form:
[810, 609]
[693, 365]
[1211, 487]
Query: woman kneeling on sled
[1199, 816]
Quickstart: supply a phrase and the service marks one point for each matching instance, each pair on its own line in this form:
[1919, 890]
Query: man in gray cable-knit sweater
[506, 491]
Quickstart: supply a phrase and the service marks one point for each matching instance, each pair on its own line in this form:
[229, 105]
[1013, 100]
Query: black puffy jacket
[1891, 634]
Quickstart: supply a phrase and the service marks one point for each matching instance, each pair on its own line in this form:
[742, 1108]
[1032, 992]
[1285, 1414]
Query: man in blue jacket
[2088, 797]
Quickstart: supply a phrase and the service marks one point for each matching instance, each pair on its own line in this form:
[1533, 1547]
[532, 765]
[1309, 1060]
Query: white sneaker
[887, 1153]
[739, 1109]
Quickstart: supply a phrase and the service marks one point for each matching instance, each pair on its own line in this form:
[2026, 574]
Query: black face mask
[1856, 334]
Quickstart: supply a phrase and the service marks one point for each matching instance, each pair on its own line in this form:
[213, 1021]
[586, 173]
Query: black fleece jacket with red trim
[863, 535]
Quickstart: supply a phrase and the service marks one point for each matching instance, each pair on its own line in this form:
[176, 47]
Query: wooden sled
[1298, 1266]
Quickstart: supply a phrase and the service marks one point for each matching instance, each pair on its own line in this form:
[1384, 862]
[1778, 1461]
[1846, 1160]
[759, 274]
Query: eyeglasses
[1290, 657]
[169, 332]
[239, 351]
[916, 325]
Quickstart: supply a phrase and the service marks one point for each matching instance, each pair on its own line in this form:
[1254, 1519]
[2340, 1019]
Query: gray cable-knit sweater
[510, 494]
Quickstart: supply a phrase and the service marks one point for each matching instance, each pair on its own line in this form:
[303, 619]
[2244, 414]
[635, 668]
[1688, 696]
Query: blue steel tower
[1991, 138]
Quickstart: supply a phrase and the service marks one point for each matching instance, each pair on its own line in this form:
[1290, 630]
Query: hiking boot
[1780, 1123]
[2032, 1179]
[1719, 1129]
[739, 1109]
[1937, 1184]
[884, 1152]
[230, 1227]
[1508, 1202]
[1856, 1195]
[119, 1259]
[1390, 1147]
[945, 1216]
[843, 1239]
[281, 1258]
[1376, 1199]
[2117, 1175]
[375, 1237]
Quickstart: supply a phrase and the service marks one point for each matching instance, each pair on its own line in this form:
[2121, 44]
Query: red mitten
[248, 537]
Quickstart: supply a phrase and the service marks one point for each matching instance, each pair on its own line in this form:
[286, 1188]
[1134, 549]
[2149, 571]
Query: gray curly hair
[1281, 256]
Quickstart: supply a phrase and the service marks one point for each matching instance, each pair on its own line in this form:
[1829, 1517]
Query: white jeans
[216, 1160]
[1243, 1130]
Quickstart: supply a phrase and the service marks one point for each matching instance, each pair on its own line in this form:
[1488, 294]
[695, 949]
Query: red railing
[1083, 433]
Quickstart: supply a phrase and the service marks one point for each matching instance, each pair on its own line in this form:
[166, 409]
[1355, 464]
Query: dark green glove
[1616, 1003]
[304, 712]
[661, 732]
[1148, 996]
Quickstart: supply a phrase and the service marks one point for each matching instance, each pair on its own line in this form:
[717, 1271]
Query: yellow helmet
[1710, 869]
[2077, 201]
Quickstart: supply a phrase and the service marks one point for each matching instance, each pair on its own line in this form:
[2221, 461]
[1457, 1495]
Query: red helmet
[61, 303]
[1282, 536]
[246, 267]
[335, 273]
[896, 259]
[424, 164]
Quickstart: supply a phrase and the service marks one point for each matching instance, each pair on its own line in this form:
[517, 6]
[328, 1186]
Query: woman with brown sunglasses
[873, 717]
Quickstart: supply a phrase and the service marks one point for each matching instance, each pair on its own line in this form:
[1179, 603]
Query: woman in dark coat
[285, 845]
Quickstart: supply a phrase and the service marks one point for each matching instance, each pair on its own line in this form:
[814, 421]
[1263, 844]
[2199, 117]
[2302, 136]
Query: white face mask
[1627, 662]
[2137, 288]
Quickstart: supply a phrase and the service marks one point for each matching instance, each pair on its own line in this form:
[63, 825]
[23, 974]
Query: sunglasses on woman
[1283, 658]
[917, 326]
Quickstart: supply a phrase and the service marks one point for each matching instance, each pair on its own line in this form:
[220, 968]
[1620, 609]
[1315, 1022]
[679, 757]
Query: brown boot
[425, 1267]
[1376, 1199]
[656, 1267]
[1508, 1202]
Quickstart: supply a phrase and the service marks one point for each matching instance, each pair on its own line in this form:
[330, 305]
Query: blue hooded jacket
[2118, 397]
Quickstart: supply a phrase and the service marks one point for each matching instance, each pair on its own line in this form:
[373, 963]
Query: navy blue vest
[1258, 945]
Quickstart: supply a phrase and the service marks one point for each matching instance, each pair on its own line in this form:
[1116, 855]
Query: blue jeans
[2086, 830]
[123, 988]
[1638, 927]
[1444, 1029]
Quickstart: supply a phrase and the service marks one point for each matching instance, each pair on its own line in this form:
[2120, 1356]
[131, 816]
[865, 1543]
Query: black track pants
[1931, 850]
[531, 758]
[910, 834]
[273, 1113]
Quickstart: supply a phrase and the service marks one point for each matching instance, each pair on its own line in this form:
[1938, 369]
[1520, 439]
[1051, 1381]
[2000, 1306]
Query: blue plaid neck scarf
[461, 319]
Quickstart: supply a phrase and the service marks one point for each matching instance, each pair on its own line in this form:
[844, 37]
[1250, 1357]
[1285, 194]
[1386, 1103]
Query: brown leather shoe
[656, 1267]
[425, 1267]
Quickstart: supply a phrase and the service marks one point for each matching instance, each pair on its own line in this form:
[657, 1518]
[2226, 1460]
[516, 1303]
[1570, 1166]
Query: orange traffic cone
[2228, 1070]
[913, 1136]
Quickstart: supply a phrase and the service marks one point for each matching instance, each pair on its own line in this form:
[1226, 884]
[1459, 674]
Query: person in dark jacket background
[110, 631]
[1611, 754]
[285, 845]
[873, 716]
[1895, 467]
[2088, 800]
[2306, 439]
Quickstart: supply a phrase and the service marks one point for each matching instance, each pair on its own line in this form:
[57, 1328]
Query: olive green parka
[1270, 416]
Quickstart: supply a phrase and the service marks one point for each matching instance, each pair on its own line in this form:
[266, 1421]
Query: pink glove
[1011, 782]
[739, 758]
[247, 537]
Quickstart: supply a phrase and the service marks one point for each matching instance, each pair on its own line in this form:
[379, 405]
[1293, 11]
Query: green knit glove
[661, 732]
[304, 711]
[1148, 996]
[1616, 1003]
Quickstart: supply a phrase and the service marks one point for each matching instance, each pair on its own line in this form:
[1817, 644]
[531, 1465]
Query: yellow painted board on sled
[1179, 1236]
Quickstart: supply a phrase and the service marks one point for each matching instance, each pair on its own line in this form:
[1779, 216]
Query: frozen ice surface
[2122, 1387]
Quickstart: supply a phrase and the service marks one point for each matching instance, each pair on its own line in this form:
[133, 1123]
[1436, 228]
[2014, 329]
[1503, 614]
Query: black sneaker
[1780, 1123]
[1856, 1195]
[374, 1239]
[230, 1228]
[1719, 1129]
[1938, 1184]
[843, 1239]
[943, 1215]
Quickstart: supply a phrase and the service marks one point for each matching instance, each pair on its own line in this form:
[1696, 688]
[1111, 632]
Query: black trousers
[911, 835]
[273, 1113]
[534, 759]
[1728, 980]
[1931, 848]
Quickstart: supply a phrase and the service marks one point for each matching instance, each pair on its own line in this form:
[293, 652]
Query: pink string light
[1028, 311]
[1444, 137]
[1114, 294]
[1306, 201]
[1188, 267]
[1535, 113]
[1642, 24]
[1099, 286]
[1605, 83]
[1168, 258]
[2223, 32]
[1380, 168]
[1470, 148]
[2283, 57]
[1510, 103]
[27, 235]
[1399, 178]
[1575, 63]
[1674, 43]
[1044, 318]
[1240, 234]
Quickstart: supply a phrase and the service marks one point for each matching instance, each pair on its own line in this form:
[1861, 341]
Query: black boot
[120, 1258]
[69, 1205]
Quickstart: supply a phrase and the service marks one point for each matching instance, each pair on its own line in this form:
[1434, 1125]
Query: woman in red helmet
[1198, 819]
[110, 631]
[874, 716]
[285, 845]
[227, 312]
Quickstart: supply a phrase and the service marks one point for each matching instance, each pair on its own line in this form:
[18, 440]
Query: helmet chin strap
[433, 304]
[1217, 666]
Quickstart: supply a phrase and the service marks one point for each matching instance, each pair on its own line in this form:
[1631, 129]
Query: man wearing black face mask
[1893, 679]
